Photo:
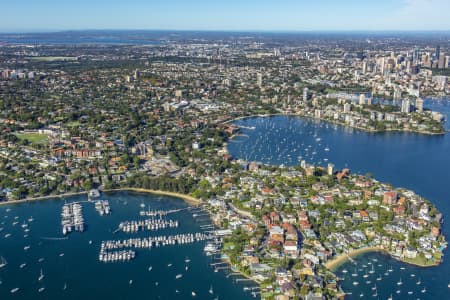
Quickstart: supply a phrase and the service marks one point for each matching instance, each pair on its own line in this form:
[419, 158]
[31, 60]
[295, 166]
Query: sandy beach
[342, 258]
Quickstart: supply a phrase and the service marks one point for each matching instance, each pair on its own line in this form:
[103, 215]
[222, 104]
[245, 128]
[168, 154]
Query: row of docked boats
[156, 241]
[116, 256]
[149, 224]
[102, 207]
[157, 213]
[72, 218]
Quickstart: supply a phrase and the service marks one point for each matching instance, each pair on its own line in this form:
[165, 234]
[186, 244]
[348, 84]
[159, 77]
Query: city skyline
[265, 15]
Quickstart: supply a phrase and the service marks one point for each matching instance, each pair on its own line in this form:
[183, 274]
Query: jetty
[159, 213]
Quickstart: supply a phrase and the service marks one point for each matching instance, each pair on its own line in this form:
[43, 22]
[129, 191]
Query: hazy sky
[265, 15]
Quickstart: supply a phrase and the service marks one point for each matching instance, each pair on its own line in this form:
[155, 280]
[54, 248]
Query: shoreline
[49, 197]
[189, 199]
[338, 123]
[186, 198]
[342, 258]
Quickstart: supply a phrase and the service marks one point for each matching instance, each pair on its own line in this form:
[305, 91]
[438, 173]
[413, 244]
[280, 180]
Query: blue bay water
[418, 162]
[85, 276]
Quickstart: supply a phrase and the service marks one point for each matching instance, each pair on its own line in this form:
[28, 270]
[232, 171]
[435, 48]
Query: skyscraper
[441, 61]
[362, 99]
[419, 105]
[330, 169]
[397, 94]
[438, 52]
[259, 79]
[364, 67]
[305, 94]
[406, 106]
[416, 55]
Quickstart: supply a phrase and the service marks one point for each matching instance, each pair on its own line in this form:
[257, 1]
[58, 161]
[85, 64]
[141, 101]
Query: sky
[232, 15]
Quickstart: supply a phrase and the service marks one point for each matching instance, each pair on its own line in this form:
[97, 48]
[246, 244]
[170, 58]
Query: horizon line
[233, 30]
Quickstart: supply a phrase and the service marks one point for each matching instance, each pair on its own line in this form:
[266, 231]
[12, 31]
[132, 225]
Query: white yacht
[210, 248]
[178, 276]
[41, 276]
[14, 290]
[3, 262]
[94, 193]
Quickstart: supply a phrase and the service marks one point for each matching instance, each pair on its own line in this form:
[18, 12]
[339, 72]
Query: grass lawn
[420, 260]
[34, 138]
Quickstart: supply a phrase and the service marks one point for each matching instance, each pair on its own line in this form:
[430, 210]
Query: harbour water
[70, 265]
[418, 162]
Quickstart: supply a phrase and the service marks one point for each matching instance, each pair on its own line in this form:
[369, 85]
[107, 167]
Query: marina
[72, 267]
[72, 218]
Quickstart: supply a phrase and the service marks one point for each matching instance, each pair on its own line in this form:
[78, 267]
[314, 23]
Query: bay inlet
[414, 161]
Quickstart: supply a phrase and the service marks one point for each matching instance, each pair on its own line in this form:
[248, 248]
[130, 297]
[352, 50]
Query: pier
[156, 241]
[243, 279]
